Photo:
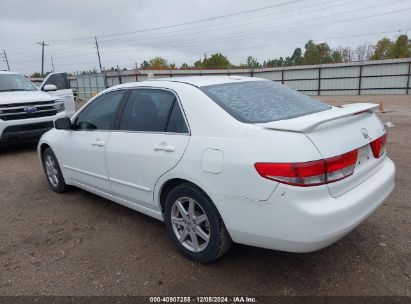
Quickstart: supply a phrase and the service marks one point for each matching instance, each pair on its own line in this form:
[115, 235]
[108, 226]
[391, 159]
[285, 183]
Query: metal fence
[354, 78]
[87, 86]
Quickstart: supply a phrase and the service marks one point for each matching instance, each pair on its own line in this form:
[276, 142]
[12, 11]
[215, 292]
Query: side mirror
[62, 123]
[49, 88]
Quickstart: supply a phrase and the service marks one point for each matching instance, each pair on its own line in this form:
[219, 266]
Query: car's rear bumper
[301, 220]
[14, 131]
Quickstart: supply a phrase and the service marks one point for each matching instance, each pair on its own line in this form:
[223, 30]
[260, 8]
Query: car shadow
[248, 257]
[9, 148]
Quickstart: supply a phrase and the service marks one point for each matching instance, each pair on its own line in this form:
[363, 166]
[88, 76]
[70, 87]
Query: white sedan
[224, 159]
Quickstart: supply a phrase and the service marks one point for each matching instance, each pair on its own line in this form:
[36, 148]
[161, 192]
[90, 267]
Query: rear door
[64, 92]
[151, 139]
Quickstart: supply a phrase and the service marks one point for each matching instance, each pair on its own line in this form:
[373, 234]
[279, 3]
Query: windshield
[262, 101]
[15, 82]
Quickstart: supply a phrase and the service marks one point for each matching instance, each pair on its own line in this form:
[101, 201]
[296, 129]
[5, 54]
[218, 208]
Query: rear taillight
[378, 146]
[312, 173]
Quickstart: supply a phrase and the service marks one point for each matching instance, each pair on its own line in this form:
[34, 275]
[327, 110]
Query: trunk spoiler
[307, 123]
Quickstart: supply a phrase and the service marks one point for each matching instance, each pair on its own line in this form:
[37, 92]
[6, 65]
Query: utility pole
[98, 54]
[5, 58]
[52, 63]
[42, 56]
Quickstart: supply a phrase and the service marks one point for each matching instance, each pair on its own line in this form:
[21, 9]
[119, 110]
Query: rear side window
[152, 110]
[262, 101]
[176, 123]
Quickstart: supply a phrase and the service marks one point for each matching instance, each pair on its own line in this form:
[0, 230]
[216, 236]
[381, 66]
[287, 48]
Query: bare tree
[347, 53]
[363, 52]
[369, 51]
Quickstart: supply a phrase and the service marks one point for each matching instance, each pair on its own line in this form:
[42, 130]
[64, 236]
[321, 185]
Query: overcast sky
[274, 28]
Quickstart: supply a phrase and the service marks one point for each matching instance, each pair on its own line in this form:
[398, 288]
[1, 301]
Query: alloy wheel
[51, 170]
[190, 224]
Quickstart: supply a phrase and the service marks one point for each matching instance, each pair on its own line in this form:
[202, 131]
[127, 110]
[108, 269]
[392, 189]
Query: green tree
[198, 64]
[216, 61]
[144, 65]
[317, 53]
[252, 63]
[158, 63]
[184, 66]
[383, 49]
[400, 48]
[296, 57]
[35, 75]
[288, 61]
[275, 62]
[336, 56]
[311, 55]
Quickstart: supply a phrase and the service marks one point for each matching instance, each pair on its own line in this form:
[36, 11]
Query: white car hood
[24, 97]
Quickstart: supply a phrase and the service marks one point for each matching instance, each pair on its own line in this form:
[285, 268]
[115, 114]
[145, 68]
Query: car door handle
[97, 142]
[165, 147]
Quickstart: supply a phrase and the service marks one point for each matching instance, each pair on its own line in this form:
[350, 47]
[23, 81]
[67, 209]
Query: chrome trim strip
[150, 212]
[31, 105]
[117, 181]
[86, 172]
[25, 113]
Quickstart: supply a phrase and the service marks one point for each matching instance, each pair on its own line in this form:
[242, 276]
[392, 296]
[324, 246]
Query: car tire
[53, 172]
[203, 220]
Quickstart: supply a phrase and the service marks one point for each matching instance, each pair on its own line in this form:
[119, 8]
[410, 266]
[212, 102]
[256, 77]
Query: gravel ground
[80, 244]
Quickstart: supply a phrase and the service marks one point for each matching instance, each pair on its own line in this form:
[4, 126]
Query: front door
[82, 150]
[151, 139]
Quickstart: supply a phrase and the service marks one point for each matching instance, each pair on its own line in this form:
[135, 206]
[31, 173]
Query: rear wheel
[53, 171]
[195, 225]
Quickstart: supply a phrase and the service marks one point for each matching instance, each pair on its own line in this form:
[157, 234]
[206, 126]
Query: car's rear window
[262, 101]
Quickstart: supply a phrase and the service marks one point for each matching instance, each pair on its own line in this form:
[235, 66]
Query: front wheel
[53, 171]
[194, 225]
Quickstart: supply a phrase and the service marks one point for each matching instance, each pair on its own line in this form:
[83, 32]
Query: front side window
[99, 114]
[152, 110]
[262, 101]
[15, 82]
[60, 80]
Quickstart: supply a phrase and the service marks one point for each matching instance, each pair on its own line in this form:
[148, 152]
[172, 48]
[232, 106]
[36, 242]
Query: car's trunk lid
[337, 131]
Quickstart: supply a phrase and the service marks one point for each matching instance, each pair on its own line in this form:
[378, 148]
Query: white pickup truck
[26, 112]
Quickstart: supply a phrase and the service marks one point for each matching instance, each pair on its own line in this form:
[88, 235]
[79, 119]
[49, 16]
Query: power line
[243, 38]
[186, 23]
[230, 35]
[259, 46]
[266, 33]
[267, 30]
[64, 49]
[261, 33]
[235, 25]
